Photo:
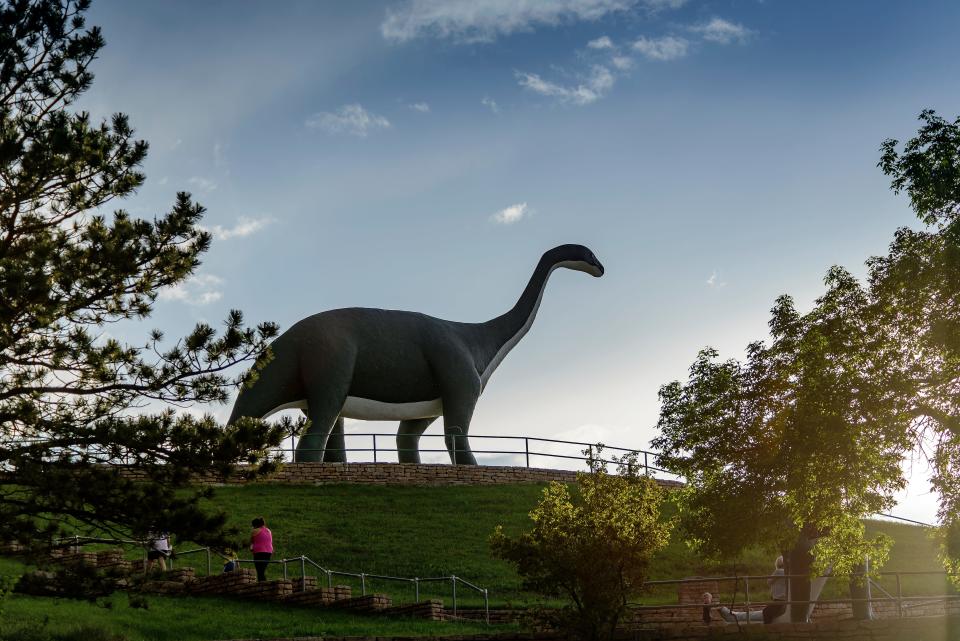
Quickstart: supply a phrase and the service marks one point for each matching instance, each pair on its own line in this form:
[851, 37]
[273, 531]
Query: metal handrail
[194, 551]
[900, 599]
[77, 540]
[527, 452]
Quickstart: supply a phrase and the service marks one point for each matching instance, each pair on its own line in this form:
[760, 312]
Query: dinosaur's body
[377, 364]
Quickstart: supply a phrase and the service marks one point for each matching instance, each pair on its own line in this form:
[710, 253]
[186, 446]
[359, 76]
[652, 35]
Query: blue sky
[422, 155]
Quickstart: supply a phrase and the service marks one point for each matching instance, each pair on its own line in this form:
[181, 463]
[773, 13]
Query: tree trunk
[860, 589]
[799, 562]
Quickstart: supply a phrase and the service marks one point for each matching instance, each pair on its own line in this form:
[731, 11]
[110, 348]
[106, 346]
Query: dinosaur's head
[575, 257]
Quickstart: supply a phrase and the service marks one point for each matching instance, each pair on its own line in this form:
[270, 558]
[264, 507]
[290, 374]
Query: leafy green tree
[917, 288]
[72, 399]
[591, 547]
[791, 447]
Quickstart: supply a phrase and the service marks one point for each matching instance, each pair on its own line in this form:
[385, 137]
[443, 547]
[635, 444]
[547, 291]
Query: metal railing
[381, 448]
[902, 601]
[302, 562]
[363, 577]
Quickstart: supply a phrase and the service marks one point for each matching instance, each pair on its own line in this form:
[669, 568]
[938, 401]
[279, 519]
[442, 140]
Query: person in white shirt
[158, 549]
[778, 592]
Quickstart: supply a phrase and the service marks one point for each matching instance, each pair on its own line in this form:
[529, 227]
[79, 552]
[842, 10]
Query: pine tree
[73, 401]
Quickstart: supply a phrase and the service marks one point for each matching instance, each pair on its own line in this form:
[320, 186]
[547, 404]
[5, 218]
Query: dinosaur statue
[378, 364]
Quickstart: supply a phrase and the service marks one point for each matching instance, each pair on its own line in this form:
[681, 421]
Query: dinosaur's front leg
[323, 411]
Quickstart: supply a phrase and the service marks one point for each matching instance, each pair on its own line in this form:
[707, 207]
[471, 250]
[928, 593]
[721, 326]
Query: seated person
[778, 592]
[230, 562]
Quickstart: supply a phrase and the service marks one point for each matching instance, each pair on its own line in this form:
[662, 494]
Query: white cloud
[603, 42]
[598, 83]
[201, 183]
[623, 63]
[657, 5]
[218, 158]
[163, 181]
[511, 214]
[200, 289]
[422, 107]
[600, 80]
[245, 227]
[469, 21]
[491, 104]
[664, 48]
[714, 280]
[722, 31]
[349, 119]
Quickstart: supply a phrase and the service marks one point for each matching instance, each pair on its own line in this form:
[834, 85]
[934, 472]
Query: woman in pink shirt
[261, 544]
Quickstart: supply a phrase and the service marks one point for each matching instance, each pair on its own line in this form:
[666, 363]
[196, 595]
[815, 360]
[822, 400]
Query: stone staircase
[242, 583]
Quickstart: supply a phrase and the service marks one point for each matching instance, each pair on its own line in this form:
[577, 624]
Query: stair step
[276, 590]
[242, 582]
[319, 596]
[432, 610]
[368, 603]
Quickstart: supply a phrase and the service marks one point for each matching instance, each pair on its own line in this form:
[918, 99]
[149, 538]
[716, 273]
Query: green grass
[438, 531]
[396, 531]
[202, 618]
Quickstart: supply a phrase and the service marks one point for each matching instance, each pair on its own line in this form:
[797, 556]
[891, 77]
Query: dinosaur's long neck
[504, 332]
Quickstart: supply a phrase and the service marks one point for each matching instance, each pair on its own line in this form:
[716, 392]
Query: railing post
[363, 584]
[208, 562]
[374, 448]
[303, 573]
[899, 598]
[526, 446]
[453, 580]
[284, 562]
[416, 589]
[646, 465]
[486, 605]
[746, 590]
[329, 579]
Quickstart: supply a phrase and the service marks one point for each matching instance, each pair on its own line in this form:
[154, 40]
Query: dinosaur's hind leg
[336, 451]
[408, 438]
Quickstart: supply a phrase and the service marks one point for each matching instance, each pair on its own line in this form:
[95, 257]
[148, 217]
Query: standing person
[261, 544]
[159, 548]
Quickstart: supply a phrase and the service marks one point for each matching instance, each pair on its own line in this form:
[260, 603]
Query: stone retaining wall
[402, 474]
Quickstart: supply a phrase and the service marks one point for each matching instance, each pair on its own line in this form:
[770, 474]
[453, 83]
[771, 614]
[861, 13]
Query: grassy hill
[399, 531]
[409, 531]
[438, 531]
